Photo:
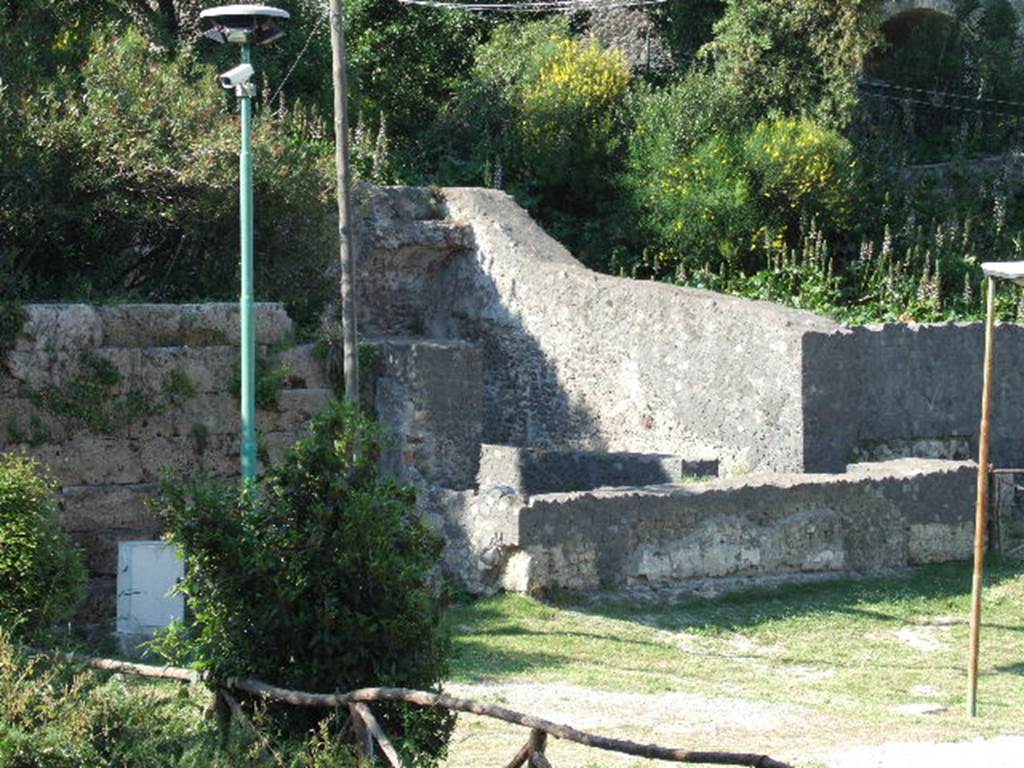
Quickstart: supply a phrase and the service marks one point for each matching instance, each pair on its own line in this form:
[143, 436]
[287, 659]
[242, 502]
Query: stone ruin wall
[169, 405]
[573, 359]
[493, 346]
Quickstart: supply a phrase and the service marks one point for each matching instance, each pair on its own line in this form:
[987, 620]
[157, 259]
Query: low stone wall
[111, 397]
[878, 516]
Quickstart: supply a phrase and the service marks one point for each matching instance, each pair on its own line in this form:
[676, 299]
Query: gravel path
[799, 735]
[1000, 752]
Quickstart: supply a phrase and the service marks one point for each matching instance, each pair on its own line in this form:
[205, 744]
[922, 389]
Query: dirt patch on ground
[672, 719]
[799, 735]
[1000, 752]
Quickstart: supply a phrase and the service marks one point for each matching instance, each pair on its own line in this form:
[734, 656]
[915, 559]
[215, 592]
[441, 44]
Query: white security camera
[237, 77]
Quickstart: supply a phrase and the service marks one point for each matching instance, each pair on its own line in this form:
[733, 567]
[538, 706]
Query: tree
[795, 56]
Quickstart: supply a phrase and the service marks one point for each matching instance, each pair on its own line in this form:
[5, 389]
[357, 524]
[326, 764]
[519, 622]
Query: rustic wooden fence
[372, 737]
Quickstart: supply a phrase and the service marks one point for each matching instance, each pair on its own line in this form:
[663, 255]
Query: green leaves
[317, 577]
[41, 572]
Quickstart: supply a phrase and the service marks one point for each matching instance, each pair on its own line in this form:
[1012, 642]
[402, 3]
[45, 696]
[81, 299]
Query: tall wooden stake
[981, 510]
[341, 153]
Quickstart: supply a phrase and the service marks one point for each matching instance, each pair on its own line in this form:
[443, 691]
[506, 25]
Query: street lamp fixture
[245, 25]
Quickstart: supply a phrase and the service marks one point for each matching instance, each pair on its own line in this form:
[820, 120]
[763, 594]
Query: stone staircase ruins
[569, 429]
[579, 430]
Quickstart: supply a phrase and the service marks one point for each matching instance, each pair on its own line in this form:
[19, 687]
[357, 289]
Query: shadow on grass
[478, 661]
[503, 638]
[894, 599]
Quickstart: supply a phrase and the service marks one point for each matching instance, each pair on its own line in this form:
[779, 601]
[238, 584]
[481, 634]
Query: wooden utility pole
[344, 170]
[981, 509]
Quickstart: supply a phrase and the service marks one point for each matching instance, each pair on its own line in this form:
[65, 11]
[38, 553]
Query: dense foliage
[316, 577]
[41, 573]
[54, 715]
[776, 123]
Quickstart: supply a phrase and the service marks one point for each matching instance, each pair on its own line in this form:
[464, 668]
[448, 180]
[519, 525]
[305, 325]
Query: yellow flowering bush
[578, 79]
[543, 114]
[567, 102]
[736, 198]
[801, 166]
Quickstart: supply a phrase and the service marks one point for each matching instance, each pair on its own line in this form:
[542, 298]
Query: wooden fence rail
[369, 732]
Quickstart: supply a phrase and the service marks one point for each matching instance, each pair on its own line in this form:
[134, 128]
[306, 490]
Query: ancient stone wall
[575, 360]
[878, 516]
[875, 392]
[111, 397]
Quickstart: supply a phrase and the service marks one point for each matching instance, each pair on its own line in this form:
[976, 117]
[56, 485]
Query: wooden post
[981, 509]
[344, 185]
[538, 743]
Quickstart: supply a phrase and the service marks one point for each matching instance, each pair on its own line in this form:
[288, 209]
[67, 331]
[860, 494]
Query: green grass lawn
[793, 671]
[847, 653]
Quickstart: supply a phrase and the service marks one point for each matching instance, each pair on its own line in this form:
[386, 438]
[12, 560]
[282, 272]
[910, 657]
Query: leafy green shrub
[127, 183]
[737, 197]
[41, 572]
[794, 56]
[317, 577]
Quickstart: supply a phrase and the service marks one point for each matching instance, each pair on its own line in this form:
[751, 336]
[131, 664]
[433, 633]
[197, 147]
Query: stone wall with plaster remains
[111, 397]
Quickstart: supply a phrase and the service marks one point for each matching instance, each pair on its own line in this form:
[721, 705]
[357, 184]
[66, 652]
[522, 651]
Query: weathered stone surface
[577, 359]
[879, 516]
[88, 459]
[305, 369]
[909, 389]
[209, 369]
[428, 394]
[533, 470]
[190, 325]
[22, 421]
[53, 327]
[93, 507]
[480, 531]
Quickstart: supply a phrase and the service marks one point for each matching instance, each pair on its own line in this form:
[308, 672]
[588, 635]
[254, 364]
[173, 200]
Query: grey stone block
[190, 325]
[54, 327]
[428, 395]
[535, 471]
[97, 507]
[305, 369]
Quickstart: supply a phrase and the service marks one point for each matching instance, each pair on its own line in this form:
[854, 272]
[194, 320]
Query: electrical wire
[530, 6]
[872, 83]
[298, 58]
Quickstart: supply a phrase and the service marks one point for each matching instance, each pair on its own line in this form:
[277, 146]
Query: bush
[543, 116]
[316, 577]
[41, 572]
[800, 168]
[794, 56]
[736, 197]
[126, 183]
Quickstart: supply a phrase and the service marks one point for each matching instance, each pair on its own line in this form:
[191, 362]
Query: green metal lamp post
[245, 25]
